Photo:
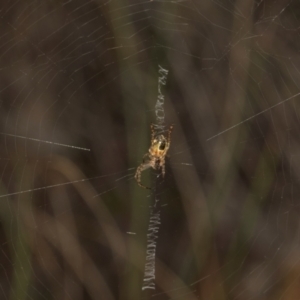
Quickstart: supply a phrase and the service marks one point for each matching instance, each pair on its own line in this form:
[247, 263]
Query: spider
[155, 157]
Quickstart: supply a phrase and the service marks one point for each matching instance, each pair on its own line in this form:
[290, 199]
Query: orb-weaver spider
[155, 157]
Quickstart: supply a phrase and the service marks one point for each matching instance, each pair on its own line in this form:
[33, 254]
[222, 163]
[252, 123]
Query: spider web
[79, 87]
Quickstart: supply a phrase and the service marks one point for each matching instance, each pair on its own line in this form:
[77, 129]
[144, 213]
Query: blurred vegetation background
[73, 222]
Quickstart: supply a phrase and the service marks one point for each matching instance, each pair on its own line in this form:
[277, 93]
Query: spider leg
[146, 159]
[152, 132]
[138, 174]
[169, 132]
[163, 167]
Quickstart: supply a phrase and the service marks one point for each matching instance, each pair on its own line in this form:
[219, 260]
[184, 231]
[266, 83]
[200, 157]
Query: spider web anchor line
[159, 106]
[149, 273]
[44, 141]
